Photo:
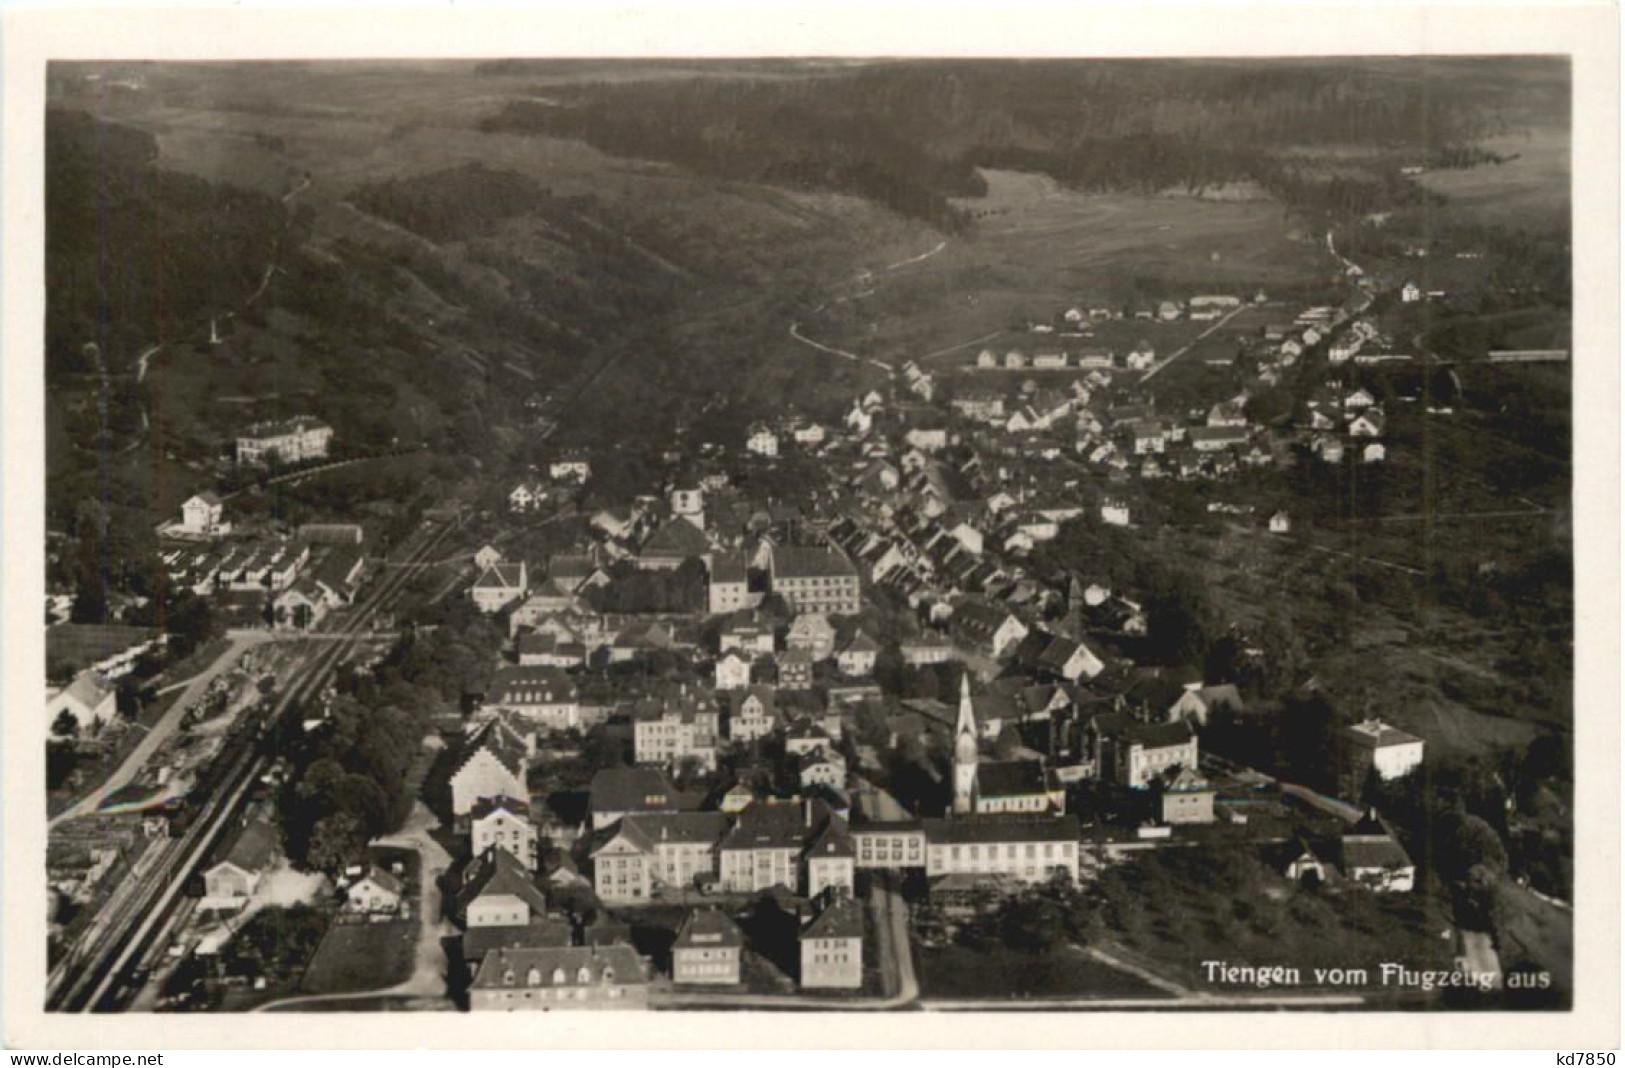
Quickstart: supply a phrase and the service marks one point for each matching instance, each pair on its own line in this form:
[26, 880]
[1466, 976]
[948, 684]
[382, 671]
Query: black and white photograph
[810, 534]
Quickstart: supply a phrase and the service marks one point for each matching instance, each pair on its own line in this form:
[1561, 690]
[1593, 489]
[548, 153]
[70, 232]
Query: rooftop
[708, 928]
[796, 562]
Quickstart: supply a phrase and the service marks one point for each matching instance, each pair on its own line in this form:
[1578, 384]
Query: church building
[995, 787]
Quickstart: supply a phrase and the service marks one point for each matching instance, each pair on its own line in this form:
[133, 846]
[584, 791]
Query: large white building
[647, 854]
[495, 765]
[290, 441]
[1374, 745]
[674, 728]
[815, 580]
[1027, 849]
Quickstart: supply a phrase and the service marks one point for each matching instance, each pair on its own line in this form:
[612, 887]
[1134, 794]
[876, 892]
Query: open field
[362, 956]
[1049, 249]
[1531, 190]
[956, 972]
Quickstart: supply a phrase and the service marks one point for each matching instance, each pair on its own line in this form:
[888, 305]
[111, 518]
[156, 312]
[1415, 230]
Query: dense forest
[136, 254]
[912, 135]
[456, 204]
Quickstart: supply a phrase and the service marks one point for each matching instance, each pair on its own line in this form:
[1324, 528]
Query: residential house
[750, 713]
[1184, 796]
[728, 585]
[90, 699]
[765, 846]
[1198, 703]
[831, 860]
[1368, 424]
[707, 949]
[235, 878]
[1370, 855]
[795, 669]
[986, 628]
[570, 466]
[497, 890]
[761, 440]
[1218, 438]
[499, 586]
[927, 439]
[1058, 656]
[505, 822]
[1280, 523]
[675, 728]
[562, 978]
[822, 767]
[857, 659]
[542, 695]
[203, 515]
[751, 639]
[575, 572]
[832, 947]
[617, 524]
[377, 892]
[549, 649]
[812, 632]
[299, 607]
[732, 671]
[525, 497]
[1147, 437]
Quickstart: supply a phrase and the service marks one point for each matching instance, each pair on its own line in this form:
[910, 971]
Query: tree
[128, 697]
[337, 842]
[1465, 842]
[60, 758]
[1181, 623]
[1309, 740]
[65, 725]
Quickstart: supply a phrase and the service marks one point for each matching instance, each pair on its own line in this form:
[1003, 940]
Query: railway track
[94, 976]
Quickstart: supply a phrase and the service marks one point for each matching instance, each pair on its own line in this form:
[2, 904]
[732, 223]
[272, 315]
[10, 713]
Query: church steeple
[965, 754]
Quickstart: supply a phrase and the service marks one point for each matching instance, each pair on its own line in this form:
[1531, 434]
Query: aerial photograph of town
[539, 535]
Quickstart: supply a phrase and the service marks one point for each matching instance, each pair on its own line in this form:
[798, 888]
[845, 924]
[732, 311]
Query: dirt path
[959, 347]
[921, 258]
[795, 332]
[1149, 375]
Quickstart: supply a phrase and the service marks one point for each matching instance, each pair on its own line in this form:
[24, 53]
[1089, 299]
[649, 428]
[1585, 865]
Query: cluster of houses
[320, 567]
[1345, 422]
[777, 809]
[1137, 440]
[570, 468]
